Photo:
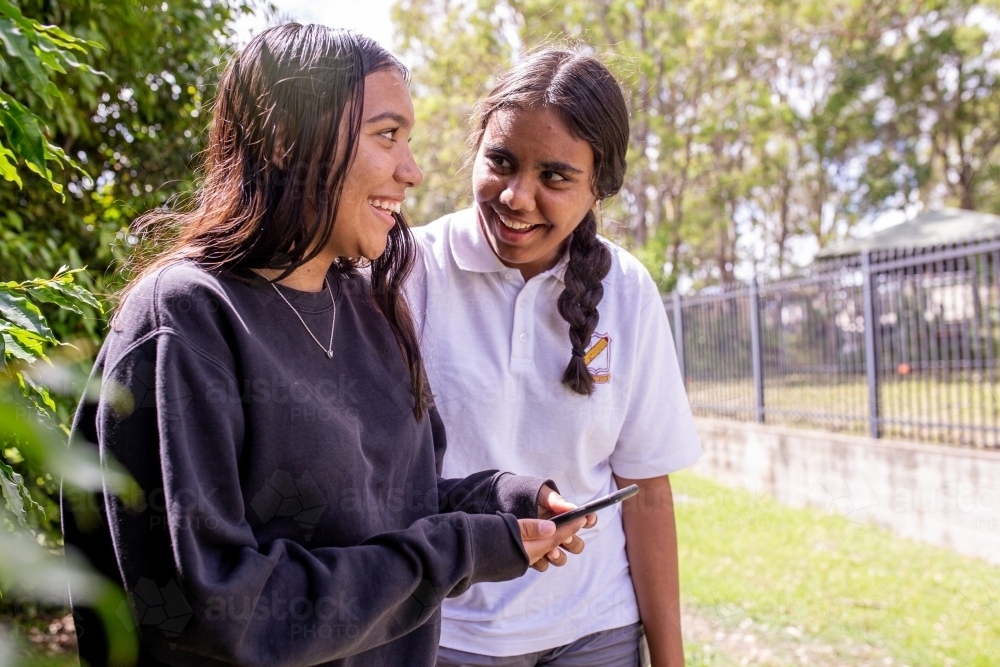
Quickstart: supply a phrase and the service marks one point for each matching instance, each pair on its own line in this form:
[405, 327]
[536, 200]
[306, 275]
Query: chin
[372, 253]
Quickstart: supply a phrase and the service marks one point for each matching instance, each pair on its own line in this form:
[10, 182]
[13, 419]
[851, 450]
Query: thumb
[534, 529]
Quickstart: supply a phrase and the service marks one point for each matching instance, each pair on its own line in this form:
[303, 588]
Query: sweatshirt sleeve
[200, 585]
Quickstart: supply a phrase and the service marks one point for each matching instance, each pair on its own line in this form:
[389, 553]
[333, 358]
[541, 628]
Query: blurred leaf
[28, 568]
[23, 314]
[13, 346]
[12, 485]
[8, 166]
[18, 46]
[24, 133]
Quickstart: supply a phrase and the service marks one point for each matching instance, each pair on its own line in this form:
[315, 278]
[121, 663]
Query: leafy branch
[31, 54]
[24, 332]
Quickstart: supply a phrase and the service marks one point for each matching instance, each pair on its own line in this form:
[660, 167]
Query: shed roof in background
[947, 226]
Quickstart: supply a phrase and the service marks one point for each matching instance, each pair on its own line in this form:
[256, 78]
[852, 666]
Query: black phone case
[594, 505]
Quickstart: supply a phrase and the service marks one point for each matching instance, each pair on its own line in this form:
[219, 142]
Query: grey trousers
[618, 647]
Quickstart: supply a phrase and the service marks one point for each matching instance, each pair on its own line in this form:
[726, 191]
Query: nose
[517, 196]
[408, 172]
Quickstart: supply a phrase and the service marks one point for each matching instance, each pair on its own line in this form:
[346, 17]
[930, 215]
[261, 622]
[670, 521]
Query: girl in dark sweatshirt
[263, 385]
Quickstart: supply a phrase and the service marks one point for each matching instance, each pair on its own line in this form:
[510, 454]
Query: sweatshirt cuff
[499, 553]
[517, 495]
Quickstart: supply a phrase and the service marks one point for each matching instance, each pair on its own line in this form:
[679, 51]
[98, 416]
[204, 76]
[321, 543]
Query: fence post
[679, 335]
[871, 365]
[755, 353]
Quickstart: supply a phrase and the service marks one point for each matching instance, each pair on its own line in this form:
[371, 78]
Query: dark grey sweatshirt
[292, 513]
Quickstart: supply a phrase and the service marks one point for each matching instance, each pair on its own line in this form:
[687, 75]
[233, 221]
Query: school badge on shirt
[598, 358]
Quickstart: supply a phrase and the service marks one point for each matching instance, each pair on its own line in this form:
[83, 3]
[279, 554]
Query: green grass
[930, 405]
[748, 559]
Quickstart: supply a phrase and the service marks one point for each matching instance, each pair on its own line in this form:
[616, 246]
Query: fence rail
[888, 346]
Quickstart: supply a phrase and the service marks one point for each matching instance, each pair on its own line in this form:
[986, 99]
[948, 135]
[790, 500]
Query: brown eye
[498, 162]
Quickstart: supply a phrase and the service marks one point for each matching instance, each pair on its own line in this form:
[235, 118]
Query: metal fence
[889, 345]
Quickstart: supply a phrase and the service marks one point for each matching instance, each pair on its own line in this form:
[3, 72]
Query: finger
[557, 504]
[551, 503]
[556, 557]
[536, 529]
[568, 530]
[574, 546]
[591, 520]
[541, 565]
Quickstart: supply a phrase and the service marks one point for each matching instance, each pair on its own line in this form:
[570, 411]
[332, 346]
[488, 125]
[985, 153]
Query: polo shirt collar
[472, 251]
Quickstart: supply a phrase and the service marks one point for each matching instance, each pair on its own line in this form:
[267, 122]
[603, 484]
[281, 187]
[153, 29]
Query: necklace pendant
[329, 354]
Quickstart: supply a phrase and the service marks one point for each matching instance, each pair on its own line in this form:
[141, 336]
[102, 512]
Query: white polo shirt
[495, 348]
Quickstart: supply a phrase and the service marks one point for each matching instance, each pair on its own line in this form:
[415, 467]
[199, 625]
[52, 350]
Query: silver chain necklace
[329, 349]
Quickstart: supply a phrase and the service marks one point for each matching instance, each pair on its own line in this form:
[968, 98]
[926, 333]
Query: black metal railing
[900, 345]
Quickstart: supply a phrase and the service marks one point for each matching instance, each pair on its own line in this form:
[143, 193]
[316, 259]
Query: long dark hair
[275, 167]
[590, 101]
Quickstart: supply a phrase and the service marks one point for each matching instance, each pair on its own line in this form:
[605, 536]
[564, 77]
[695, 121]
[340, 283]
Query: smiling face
[383, 169]
[533, 185]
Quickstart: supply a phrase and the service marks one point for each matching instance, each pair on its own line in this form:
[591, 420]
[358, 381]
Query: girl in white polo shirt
[549, 352]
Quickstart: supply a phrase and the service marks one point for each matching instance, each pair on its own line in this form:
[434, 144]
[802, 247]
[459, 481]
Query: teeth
[514, 225]
[390, 206]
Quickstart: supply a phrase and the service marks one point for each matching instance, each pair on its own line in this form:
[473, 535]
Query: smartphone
[594, 505]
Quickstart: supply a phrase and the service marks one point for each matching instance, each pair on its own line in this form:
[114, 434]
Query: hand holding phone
[594, 505]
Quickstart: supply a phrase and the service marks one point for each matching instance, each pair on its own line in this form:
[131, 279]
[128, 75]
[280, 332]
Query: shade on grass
[745, 556]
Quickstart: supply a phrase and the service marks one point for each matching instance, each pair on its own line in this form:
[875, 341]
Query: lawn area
[807, 588]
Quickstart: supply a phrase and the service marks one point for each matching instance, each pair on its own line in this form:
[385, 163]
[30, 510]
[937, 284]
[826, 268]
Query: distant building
[926, 233]
[936, 281]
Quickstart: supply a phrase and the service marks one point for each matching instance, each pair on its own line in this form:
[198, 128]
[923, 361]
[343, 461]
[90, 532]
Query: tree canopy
[758, 127]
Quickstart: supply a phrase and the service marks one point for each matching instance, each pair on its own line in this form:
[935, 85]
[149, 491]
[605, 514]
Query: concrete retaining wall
[937, 494]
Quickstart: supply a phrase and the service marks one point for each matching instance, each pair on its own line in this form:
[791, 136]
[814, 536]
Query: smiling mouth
[389, 207]
[385, 209]
[513, 227]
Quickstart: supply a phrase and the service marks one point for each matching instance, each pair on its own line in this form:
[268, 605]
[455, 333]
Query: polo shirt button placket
[521, 353]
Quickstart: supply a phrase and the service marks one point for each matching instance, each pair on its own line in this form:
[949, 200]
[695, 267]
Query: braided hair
[589, 100]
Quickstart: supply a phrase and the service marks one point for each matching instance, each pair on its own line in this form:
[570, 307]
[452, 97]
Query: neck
[306, 278]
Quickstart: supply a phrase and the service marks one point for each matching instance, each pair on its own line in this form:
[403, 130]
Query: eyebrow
[546, 166]
[560, 166]
[398, 118]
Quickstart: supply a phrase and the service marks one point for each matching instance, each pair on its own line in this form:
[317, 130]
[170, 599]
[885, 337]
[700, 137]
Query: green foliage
[24, 331]
[33, 53]
[101, 116]
[135, 132]
[33, 442]
[28, 564]
[120, 87]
